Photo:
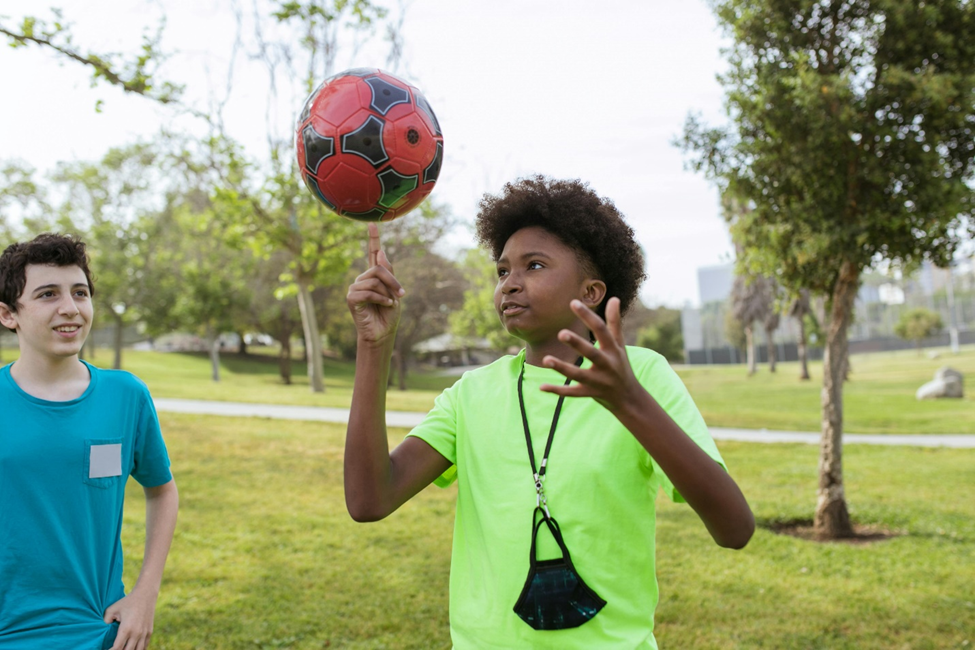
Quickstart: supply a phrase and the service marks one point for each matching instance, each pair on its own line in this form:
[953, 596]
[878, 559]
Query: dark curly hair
[48, 248]
[571, 211]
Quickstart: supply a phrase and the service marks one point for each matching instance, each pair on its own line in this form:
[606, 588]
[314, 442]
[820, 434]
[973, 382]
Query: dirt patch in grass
[803, 529]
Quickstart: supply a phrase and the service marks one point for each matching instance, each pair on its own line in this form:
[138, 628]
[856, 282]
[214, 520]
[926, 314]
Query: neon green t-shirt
[601, 486]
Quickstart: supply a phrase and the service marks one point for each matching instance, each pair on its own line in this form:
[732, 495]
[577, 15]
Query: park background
[185, 196]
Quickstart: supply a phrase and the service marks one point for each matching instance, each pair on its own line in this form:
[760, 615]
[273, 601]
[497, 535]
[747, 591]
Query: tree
[917, 325]
[24, 204]
[663, 334]
[734, 331]
[477, 316]
[273, 310]
[114, 202]
[770, 319]
[133, 75]
[434, 285]
[749, 303]
[264, 202]
[851, 141]
[801, 310]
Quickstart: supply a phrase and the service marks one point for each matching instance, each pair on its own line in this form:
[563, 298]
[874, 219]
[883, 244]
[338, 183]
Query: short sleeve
[151, 464]
[439, 430]
[666, 387]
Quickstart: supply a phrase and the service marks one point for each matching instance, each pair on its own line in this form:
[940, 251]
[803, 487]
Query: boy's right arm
[378, 482]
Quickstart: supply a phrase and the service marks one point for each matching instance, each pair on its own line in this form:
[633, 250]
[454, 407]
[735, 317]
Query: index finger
[374, 246]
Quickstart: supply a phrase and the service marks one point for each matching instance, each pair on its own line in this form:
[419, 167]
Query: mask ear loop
[556, 531]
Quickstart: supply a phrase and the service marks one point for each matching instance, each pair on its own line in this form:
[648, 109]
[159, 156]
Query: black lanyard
[539, 473]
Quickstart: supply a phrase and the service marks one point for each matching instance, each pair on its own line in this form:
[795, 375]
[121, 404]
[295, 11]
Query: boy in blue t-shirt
[70, 436]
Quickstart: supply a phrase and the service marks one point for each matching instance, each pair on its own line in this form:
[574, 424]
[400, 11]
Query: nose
[67, 306]
[510, 283]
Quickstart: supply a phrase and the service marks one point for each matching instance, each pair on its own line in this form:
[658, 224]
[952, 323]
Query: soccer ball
[369, 146]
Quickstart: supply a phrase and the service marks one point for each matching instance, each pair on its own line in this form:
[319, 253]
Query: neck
[47, 371]
[536, 352]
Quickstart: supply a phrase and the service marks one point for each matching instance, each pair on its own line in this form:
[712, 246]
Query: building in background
[882, 298]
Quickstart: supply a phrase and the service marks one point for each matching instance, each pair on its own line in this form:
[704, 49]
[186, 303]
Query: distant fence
[790, 351]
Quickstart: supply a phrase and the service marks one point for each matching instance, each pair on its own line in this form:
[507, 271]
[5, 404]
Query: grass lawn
[265, 555]
[878, 398]
[255, 378]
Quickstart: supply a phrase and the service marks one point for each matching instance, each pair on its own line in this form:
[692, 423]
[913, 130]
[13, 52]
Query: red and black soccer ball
[369, 146]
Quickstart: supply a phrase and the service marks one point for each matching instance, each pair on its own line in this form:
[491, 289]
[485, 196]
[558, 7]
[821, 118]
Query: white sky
[568, 88]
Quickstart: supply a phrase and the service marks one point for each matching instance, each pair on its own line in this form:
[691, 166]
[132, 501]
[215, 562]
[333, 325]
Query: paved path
[410, 419]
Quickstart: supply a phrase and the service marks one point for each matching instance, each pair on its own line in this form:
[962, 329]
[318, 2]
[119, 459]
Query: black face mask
[555, 597]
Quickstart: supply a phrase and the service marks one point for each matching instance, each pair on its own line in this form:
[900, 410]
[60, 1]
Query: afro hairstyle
[577, 216]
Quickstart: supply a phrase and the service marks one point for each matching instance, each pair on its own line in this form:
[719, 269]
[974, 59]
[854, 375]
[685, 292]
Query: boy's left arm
[703, 483]
[136, 611]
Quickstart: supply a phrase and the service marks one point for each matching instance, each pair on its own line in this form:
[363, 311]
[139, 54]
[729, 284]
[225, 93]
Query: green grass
[255, 378]
[878, 398]
[265, 555]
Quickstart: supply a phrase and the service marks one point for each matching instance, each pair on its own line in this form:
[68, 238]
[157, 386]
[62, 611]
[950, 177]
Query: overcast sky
[568, 88]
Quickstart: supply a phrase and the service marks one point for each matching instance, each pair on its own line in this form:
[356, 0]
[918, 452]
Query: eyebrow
[44, 287]
[527, 255]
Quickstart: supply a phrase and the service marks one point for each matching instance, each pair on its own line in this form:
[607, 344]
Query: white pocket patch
[105, 461]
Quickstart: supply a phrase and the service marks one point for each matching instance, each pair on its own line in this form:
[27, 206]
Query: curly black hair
[571, 211]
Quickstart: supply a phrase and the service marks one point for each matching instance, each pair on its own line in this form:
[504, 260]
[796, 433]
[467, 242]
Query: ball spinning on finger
[369, 146]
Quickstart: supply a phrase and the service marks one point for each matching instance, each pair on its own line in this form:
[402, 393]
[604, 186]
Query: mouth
[67, 329]
[510, 308]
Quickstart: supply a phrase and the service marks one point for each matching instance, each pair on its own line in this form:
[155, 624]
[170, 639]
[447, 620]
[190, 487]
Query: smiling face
[538, 276]
[54, 312]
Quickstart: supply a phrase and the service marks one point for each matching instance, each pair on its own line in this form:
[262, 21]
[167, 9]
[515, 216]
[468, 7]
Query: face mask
[554, 597]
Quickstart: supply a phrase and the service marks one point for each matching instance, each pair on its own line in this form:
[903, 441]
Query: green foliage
[113, 203]
[852, 136]
[663, 334]
[918, 324]
[24, 204]
[477, 315]
[134, 74]
[734, 331]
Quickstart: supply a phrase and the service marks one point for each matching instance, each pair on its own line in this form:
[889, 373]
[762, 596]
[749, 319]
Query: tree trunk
[313, 340]
[393, 369]
[771, 349]
[401, 360]
[832, 519]
[242, 346]
[284, 360]
[117, 343]
[803, 353]
[213, 343]
[750, 348]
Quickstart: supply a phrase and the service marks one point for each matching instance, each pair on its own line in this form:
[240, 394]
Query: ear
[7, 316]
[594, 292]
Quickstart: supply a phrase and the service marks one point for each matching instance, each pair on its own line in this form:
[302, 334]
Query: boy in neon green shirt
[554, 534]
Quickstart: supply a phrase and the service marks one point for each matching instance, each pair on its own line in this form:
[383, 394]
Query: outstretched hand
[374, 297]
[610, 379]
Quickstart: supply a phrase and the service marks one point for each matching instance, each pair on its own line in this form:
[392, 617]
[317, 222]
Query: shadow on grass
[804, 529]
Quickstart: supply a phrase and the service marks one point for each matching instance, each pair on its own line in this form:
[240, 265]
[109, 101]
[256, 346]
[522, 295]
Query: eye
[534, 265]
[502, 272]
[83, 293]
[46, 294]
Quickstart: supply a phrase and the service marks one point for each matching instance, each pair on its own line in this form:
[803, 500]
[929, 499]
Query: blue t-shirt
[63, 470]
